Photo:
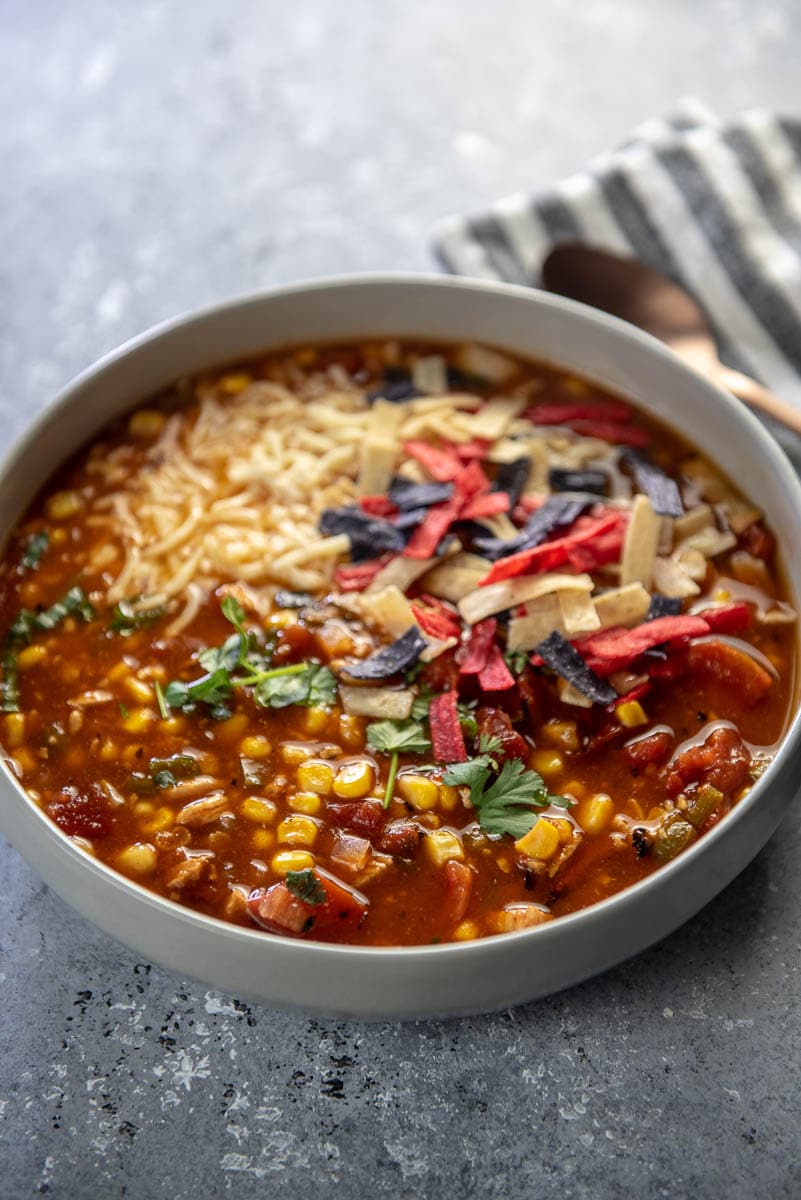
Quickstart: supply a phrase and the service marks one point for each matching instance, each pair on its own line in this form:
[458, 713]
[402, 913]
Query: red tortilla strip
[470, 483]
[588, 556]
[355, 577]
[432, 529]
[564, 414]
[613, 649]
[618, 435]
[437, 621]
[378, 506]
[636, 693]
[442, 463]
[482, 637]
[495, 676]
[447, 738]
[486, 506]
[729, 618]
[477, 448]
[549, 555]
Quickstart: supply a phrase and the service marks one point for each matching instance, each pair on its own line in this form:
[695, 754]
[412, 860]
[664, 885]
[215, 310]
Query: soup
[391, 644]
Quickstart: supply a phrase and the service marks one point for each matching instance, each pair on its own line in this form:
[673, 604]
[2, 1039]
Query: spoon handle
[757, 396]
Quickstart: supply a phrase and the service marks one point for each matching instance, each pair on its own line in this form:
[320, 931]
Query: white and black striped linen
[717, 206]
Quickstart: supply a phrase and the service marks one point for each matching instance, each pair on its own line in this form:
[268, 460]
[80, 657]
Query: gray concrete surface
[157, 156]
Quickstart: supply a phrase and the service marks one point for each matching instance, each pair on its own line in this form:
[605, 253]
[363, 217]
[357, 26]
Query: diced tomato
[486, 506]
[400, 838]
[495, 676]
[81, 814]
[654, 748]
[355, 577]
[722, 760]
[363, 816]
[482, 637]
[757, 540]
[277, 910]
[378, 506]
[495, 723]
[618, 435]
[442, 674]
[732, 667]
[447, 738]
[458, 889]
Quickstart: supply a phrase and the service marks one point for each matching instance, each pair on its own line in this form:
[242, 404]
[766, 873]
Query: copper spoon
[628, 288]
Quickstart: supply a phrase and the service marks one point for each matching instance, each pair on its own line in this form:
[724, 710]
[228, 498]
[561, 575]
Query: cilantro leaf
[233, 611]
[306, 886]
[489, 743]
[307, 684]
[516, 660]
[211, 688]
[390, 737]
[504, 804]
[133, 614]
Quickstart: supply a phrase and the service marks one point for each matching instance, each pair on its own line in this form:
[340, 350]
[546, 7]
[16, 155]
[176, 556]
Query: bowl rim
[662, 877]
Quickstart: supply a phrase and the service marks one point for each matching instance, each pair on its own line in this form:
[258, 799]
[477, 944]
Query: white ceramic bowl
[431, 980]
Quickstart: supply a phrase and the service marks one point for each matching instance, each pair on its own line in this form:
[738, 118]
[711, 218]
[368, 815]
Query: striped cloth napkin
[715, 205]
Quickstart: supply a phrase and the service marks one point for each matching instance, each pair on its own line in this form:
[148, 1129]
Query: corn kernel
[295, 752]
[351, 729]
[15, 729]
[163, 818]
[282, 619]
[144, 808]
[419, 791]
[547, 762]
[631, 714]
[563, 735]
[58, 537]
[233, 727]
[315, 776]
[305, 802]
[139, 690]
[147, 423]
[442, 845]
[26, 760]
[575, 789]
[315, 720]
[291, 860]
[721, 594]
[448, 797]
[575, 386]
[138, 720]
[258, 809]
[306, 357]
[262, 839]
[465, 931]
[541, 842]
[31, 655]
[107, 751]
[255, 746]
[354, 780]
[595, 813]
[176, 724]
[118, 671]
[234, 382]
[298, 831]
[139, 859]
[63, 505]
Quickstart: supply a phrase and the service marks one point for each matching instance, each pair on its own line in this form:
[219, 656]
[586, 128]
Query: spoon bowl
[643, 296]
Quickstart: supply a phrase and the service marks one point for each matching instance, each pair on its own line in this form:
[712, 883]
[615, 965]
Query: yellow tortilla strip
[672, 579]
[377, 460]
[543, 616]
[622, 606]
[639, 548]
[578, 612]
[454, 579]
[497, 597]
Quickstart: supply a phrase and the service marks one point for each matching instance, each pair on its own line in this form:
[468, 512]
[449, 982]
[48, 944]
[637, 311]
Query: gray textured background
[156, 156]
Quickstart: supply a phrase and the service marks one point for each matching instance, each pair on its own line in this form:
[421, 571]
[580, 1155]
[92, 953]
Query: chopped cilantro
[516, 660]
[164, 779]
[35, 547]
[306, 886]
[504, 800]
[162, 703]
[307, 684]
[394, 737]
[137, 613]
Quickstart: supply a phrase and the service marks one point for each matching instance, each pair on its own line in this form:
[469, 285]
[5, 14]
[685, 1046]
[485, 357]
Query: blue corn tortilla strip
[390, 660]
[566, 661]
[661, 490]
[559, 510]
[560, 479]
[396, 388]
[407, 522]
[407, 495]
[662, 606]
[369, 536]
[511, 478]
